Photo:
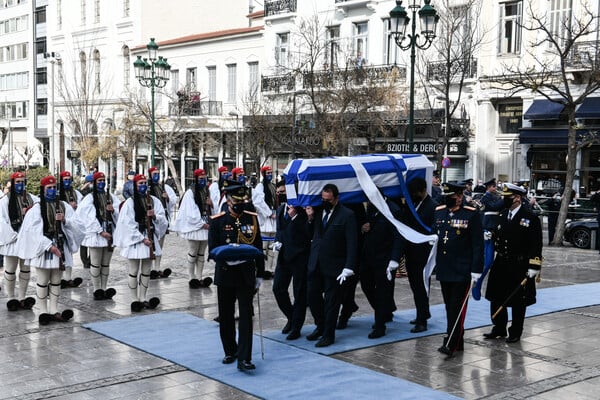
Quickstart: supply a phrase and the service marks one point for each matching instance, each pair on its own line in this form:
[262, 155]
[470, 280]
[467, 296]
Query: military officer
[236, 280]
[459, 260]
[72, 196]
[518, 260]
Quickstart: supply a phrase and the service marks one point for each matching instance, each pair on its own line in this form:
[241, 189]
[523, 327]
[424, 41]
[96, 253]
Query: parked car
[579, 232]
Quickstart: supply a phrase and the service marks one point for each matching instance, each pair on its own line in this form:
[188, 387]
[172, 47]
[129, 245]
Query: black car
[579, 232]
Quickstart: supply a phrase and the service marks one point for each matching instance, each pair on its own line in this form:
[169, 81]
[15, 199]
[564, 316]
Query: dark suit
[460, 252]
[294, 236]
[236, 282]
[417, 255]
[381, 244]
[333, 248]
[518, 248]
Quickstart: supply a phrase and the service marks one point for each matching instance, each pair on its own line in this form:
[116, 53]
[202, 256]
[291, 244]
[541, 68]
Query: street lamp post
[153, 74]
[399, 21]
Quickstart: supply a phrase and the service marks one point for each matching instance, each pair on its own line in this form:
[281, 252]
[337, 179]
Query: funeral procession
[299, 199]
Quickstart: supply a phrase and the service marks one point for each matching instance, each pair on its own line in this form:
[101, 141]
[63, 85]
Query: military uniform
[236, 280]
[459, 254]
[518, 249]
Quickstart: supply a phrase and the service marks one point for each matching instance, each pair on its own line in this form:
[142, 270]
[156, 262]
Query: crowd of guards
[323, 252]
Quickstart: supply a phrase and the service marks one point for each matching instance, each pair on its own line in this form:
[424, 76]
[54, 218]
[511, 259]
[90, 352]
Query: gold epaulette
[217, 215]
[251, 213]
[440, 207]
[469, 208]
[535, 261]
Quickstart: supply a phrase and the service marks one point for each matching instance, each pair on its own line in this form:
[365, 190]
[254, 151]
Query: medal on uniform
[227, 240]
[458, 231]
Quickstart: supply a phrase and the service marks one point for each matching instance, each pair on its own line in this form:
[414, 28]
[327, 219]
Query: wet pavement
[558, 356]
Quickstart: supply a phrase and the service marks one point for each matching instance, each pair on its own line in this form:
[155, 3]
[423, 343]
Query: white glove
[346, 273]
[532, 273]
[258, 283]
[475, 276]
[392, 266]
[487, 235]
[277, 246]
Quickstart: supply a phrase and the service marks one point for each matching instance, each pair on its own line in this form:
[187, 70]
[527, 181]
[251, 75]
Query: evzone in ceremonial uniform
[459, 260]
[99, 213]
[142, 222]
[518, 261]
[13, 209]
[265, 203]
[67, 193]
[192, 224]
[236, 280]
[50, 235]
[217, 196]
[168, 199]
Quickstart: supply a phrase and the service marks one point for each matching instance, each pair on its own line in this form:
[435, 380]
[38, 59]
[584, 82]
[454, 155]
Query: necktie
[286, 216]
[325, 218]
[510, 215]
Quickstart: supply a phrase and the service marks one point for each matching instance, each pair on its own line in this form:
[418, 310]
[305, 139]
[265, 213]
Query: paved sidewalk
[558, 356]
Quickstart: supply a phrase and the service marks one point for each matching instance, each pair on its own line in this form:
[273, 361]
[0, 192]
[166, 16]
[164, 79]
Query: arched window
[97, 71]
[83, 67]
[126, 67]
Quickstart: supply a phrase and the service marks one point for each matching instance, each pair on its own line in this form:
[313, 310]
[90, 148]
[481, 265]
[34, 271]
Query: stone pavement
[558, 356]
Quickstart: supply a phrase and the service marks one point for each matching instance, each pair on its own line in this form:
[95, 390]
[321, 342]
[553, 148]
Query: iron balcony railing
[275, 7]
[438, 69]
[196, 108]
[358, 76]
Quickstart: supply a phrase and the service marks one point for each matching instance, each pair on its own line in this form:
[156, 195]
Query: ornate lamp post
[152, 74]
[399, 21]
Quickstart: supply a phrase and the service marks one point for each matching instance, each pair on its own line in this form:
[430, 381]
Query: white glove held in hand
[475, 276]
[532, 273]
[277, 246]
[258, 283]
[392, 266]
[346, 273]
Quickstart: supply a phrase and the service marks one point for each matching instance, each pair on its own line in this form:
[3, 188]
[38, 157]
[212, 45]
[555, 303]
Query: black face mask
[327, 205]
[450, 201]
[508, 202]
[282, 198]
[238, 208]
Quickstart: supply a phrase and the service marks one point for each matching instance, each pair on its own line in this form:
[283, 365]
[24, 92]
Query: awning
[544, 110]
[543, 136]
[589, 109]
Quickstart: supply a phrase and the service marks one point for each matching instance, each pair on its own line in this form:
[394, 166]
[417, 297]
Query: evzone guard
[142, 222]
[67, 193]
[192, 224]
[50, 235]
[99, 212]
[168, 199]
[13, 209]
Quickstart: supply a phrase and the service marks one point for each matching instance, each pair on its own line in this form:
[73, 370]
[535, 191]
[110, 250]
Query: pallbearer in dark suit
[332, 260]
[459, 260]
[236, 280]
[518, 256]
[418, 253]
[292, 241]
[380, 256]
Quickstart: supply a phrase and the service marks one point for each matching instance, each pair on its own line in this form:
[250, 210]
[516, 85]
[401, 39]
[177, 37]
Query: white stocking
[132, 280]
[43, 279]
[95, 274]
[156, 263]
[200, 258]
[55, 275]
[67, 273]
[10, 278]
[144, 279]
[104, 271]
[193, 246]
[24, 275]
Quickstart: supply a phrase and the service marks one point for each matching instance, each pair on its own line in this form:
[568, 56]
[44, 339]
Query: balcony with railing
[195, 108]
[357, 76]
[436, 70]
[275, 7]
[278, 83]
[584, 55]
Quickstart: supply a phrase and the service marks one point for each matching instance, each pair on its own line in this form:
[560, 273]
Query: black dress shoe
[324, 342]
[342, 322]
[293, 335]
[413, 321]
[245, 365]
[445, 350]
[494, 335]
[109, 293]
[99, 295]
[317, 333]
[376, 333]
[287, 328]
[513, 339]
[228, 359]
[419, 328]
